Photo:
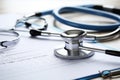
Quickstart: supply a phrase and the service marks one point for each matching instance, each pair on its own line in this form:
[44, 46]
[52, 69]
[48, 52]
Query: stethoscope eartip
[34, 33]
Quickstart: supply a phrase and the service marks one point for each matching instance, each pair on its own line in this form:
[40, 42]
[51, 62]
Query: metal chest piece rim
[73, 39]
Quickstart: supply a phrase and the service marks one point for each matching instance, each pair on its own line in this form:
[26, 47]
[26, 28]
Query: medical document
[33, 59]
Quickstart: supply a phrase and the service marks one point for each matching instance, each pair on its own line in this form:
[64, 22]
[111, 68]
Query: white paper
[33, 59]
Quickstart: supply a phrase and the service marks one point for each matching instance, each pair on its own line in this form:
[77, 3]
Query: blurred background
[28, 6]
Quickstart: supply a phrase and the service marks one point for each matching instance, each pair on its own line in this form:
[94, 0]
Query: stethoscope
[74, 48]
[90, 9]
[6, 44]
[85, 9]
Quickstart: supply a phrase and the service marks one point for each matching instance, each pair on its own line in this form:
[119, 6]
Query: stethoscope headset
[74, 38]
[90, 9]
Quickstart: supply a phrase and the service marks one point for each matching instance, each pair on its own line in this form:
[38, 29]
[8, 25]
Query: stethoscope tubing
[106, 37]
[7, 44]
[86, 9]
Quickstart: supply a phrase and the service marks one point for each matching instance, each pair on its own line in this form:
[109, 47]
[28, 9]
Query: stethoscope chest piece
[73, 41]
